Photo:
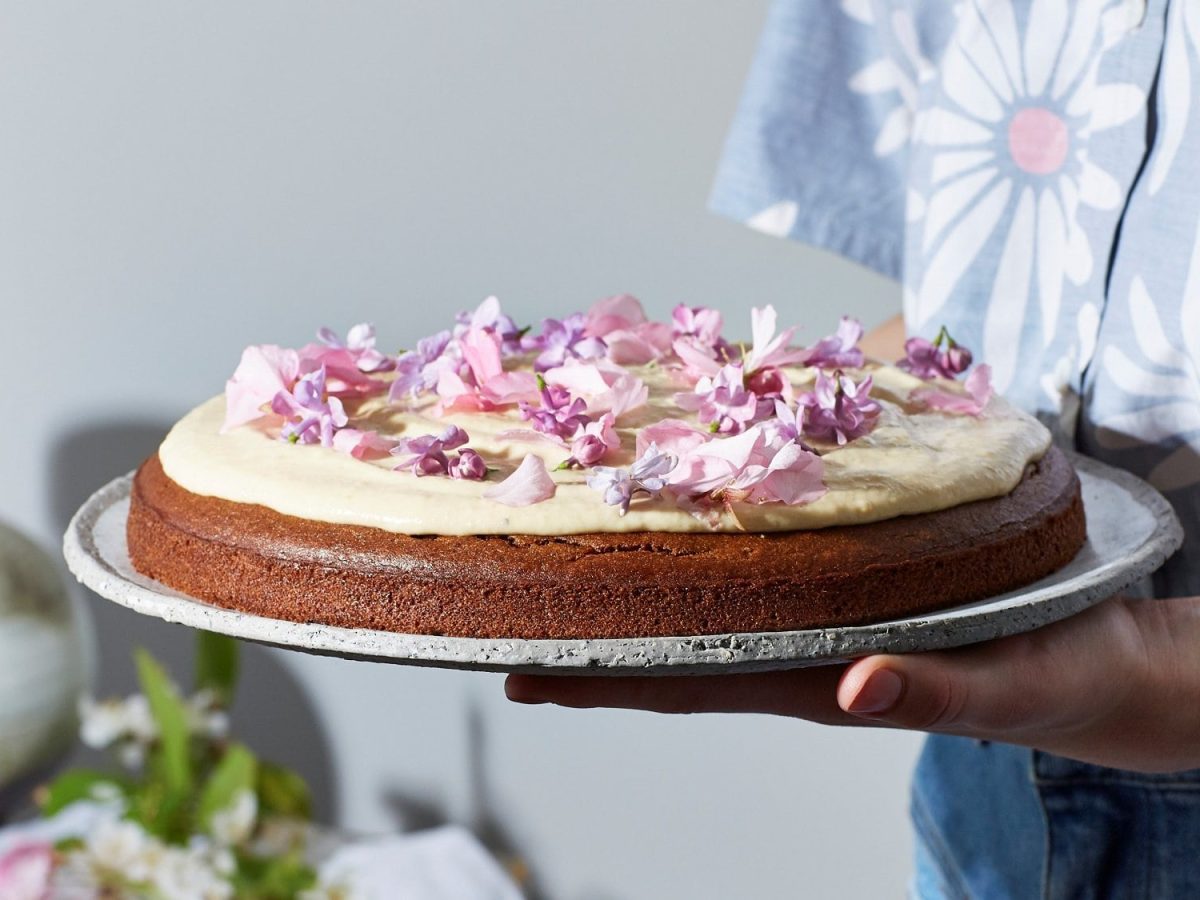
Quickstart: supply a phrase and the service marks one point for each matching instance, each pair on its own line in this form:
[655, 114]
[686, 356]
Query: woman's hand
[1117, 685]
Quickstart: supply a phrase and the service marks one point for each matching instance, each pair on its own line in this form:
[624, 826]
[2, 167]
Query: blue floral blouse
[1030, 170]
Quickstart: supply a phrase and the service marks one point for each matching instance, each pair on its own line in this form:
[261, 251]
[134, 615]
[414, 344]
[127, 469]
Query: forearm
[885, 341]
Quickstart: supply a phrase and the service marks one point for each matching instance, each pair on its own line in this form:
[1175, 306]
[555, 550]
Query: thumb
[999, 691]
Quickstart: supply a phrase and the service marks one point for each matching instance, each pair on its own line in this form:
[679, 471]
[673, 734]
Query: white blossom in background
[128, 724]
[233, 825]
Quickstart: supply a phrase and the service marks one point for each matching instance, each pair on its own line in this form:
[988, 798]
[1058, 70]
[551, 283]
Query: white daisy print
[1008, 142]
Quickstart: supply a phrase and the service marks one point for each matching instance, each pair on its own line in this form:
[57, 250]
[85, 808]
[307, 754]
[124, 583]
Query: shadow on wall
[272, 715]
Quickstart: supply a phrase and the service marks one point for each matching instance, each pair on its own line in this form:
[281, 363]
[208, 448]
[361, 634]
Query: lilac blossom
[563, 339]
[646, 476]
[468, 465]
[593, 443]
[723, 402]
[417, 370]
[837, 409]
[360, 343]
[529, 484]
[426, 455]
[927, 359]
[312, 415]
[489, 317]
[838, 350]
[558, 414]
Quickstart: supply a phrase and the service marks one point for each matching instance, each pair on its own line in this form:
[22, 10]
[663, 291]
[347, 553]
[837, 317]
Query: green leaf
[266, 878]
[171, 758]
[217, 665]
[77, 784]
[283, 792]
[233, 774]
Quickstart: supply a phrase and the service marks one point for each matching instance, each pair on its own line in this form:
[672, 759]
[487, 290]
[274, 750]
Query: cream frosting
[914, 461]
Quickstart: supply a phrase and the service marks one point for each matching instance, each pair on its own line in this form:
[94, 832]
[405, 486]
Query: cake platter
[1131, 532]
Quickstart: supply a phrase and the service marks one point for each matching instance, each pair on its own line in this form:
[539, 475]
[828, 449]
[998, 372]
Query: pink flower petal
[672, 436]
[25, 872]
[621, 312]
[529, 484]
[263, 372]
[362, 444]
[794, 477]
[979, 394]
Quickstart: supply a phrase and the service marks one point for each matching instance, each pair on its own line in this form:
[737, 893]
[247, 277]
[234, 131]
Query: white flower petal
[1120, 19]
[860, 10]
[953, 162]
[1002, 23]
[973, 34]
[1079, 46]
[1005, 316]
[964, 84]
[914, 207]
[1148, 330]
[895, 132]
[1180, 469]
[879, 77]
[948, 202]
[904, 30]
[958, 252]
[1044, 32]
[776, 220]
[1152, 425]
[1078, 263]
[1097, 188]
[1081, 101]
[1115, 104]
[1087, 326]
[942, 128]
[529, 484]
[1175, 99]
[1051, 242]
[1141, 382]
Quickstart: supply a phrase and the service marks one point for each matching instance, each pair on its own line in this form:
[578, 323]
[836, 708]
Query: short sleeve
[818, 147]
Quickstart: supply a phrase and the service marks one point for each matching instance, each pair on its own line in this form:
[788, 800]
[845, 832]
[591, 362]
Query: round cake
[606, 476]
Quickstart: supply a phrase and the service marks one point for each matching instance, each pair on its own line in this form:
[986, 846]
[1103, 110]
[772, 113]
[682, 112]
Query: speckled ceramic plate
[1131, 532]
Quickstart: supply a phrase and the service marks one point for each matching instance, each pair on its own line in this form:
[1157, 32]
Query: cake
[604, 475]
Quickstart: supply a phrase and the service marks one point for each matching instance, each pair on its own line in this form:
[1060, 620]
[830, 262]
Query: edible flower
[563, 339]
[838, 409]
[769, 349]
[484, 385]
[593, 443]
[489, 317]
[927, 359]
[722, 401]
[646, 476]
[417, 371]
[979, 393]
[529, 484]
[360, 344]
[838, 350]
[697, 341]
[263, 372]
[558, 414]
[362, 444]
[468, 465]
[426, 455]
[629, 336]
[312, 414]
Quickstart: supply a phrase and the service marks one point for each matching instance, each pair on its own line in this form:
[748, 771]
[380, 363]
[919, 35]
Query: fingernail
[878, 694]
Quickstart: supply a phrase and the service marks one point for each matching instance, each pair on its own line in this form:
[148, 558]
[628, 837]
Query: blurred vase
[46, 659]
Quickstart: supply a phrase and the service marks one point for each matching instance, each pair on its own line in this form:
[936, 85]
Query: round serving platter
[1131, 532]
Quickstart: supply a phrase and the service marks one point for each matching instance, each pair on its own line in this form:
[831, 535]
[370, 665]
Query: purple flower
[646, 476]
[360, 343]
[312, 415]
[426, 455]
[926, 359]
[838, 350]
[723, 402]
[563, 339]
[837, 409]
[469, 465]
[593, 443]
[417, 370]
[558, 414]
[488, 317]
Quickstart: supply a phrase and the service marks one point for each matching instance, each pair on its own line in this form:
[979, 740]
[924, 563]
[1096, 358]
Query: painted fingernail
[878, 693]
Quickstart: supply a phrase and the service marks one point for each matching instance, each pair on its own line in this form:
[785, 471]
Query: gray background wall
[178, 180]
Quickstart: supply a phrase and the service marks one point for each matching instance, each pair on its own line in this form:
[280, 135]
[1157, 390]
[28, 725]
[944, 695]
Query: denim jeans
[996, 821]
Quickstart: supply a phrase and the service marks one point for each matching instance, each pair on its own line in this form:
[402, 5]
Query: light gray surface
[1131, 531]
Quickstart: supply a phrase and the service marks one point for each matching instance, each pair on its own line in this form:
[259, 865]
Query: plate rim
[689, 654]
